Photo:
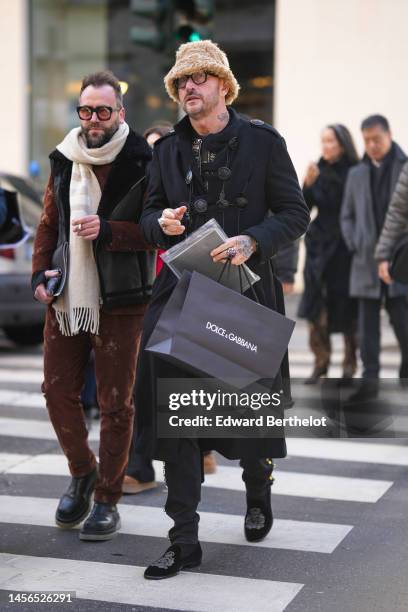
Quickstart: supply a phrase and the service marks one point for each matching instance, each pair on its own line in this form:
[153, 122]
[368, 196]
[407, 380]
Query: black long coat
[263, 172]
[328, 261]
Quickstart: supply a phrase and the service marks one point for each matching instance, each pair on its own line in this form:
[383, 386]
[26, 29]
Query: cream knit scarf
[78, 306]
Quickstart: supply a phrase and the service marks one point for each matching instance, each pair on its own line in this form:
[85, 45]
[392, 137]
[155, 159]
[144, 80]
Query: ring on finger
[231, 252]
[79, 227]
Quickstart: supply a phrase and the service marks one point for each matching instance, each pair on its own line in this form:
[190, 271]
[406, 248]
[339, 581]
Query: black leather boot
[102, 524]
[258, 518]
[75, 504]
[172, 561]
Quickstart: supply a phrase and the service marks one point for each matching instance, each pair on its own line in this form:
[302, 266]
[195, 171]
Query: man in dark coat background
[367, 194]
[261, 208]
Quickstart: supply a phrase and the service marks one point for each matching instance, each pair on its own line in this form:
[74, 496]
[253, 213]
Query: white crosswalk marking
[32, 429]
[21, 376]
[125, 584]
[214, 527]
[304, 541]
[312, 485]
[229, 478]
[10, 460]
[22, 399]
[345, 450]
[304, 356]
[21, 361]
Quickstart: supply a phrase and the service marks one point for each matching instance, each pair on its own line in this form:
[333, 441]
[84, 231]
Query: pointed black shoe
[102, 524]
[172, 562]
[75, 504]
[258, 519]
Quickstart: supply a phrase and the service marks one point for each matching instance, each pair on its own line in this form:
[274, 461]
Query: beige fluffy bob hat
[201, 55]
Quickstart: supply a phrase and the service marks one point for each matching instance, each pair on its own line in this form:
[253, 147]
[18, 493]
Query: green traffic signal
[165, 23]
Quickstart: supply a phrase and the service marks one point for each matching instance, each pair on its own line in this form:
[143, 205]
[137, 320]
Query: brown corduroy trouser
[65, 359]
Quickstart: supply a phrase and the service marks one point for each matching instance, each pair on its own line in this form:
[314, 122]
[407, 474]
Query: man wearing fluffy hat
[214, 164]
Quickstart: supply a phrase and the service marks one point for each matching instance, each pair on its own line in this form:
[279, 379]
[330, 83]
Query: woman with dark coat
[325, 302]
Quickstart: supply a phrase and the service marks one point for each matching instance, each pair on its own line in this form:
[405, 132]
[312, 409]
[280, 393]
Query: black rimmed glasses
[198, 78]
[104, 113]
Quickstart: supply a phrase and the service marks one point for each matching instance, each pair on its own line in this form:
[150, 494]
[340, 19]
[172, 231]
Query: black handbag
[399, 260]
[59, 259]
[59, 262]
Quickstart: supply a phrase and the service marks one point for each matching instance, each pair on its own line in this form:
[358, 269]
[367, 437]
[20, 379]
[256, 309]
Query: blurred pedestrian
[366, 199]
[92, 170]
[325, 301]
[152, 135]
[89, 397]
[156, 131]
[140, 474]
[395, 226]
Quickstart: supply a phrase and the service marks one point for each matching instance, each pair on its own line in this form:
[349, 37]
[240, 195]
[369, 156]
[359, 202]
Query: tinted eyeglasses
[103, 113]
[198, 78]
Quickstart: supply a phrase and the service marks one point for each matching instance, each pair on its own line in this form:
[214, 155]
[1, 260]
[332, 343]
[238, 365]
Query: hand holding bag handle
[241, 269]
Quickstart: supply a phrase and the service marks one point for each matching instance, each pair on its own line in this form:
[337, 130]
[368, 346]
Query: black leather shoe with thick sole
[172, 562]
[258, 518]
[102, 524]
[75, 504]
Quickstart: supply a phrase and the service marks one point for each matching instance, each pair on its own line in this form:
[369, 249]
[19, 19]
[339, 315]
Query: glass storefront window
[70, 38]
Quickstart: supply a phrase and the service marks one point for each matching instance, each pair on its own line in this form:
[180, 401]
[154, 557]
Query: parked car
[21, 317]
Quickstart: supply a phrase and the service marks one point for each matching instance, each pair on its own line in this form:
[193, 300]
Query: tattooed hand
[243, 246]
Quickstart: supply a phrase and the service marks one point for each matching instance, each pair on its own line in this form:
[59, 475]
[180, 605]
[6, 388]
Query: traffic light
[169, 23]
[192, 20]
[158, 15]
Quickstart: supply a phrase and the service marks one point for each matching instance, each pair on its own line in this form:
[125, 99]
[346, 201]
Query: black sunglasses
[103, 113]
[198, 78]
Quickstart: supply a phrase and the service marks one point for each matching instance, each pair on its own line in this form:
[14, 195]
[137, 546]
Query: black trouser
[184, 480]
[370, 333]
[140, 467]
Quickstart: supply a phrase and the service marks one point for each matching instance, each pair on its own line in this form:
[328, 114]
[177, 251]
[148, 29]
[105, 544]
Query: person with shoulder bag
[94, 270]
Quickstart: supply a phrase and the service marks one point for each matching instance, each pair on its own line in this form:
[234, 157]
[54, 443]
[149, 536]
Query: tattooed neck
[210, 125]
[223, 118]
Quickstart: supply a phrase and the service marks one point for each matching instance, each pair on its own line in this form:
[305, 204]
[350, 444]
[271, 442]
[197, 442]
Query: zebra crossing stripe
[22, 361]
[219, 528]
[304, 356]
[22, 399]
[310, 485]
[346, 450]
[21, 376]
[10, 460]
[229, 477]
[33, 429]
[125, 584]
